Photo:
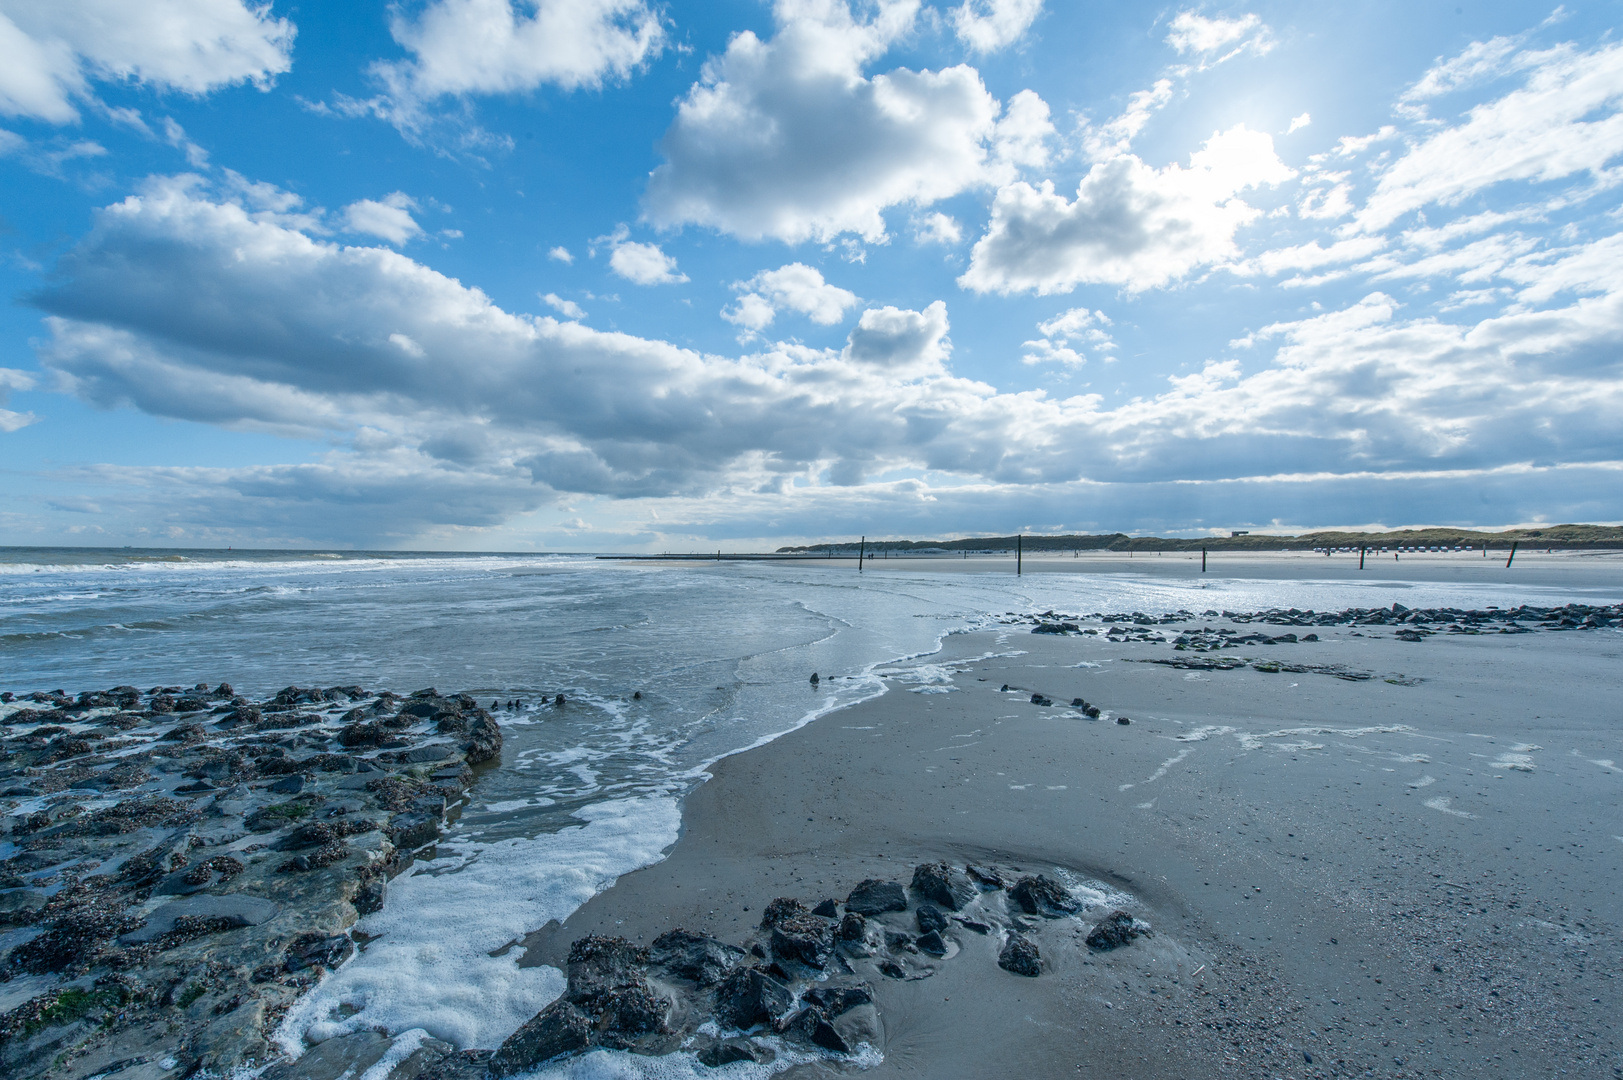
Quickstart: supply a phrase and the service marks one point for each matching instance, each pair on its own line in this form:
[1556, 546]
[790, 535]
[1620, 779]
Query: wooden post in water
[1017, 556]
[1202, 560]
[1360, 556]
[862, 549]
[1513, 544]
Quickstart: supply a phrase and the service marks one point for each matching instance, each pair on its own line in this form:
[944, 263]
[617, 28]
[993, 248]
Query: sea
[664, 667]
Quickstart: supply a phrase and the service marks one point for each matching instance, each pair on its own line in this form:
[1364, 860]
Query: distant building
[1239, 532]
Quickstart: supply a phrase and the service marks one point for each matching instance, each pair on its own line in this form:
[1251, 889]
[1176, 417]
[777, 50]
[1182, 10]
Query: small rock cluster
[804, 984]
[181, 863]
[1410, 623]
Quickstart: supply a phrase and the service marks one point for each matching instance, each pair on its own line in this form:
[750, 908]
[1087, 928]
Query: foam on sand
[1441, 803]
[431, 964]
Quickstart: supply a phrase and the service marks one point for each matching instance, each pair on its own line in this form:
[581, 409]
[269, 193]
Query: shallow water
[721, 654]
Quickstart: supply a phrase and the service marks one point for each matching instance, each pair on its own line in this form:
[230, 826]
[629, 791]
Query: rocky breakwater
[805, 985]
[180, 864]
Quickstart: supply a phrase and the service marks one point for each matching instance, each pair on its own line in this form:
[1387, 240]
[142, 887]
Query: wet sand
[1415, 877]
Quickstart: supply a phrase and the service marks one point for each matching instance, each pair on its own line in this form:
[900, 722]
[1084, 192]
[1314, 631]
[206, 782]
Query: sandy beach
[1410, 874]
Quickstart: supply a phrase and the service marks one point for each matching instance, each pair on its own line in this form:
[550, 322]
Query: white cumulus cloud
[787, 138]
[938, 228]
[442, 409]
[54, 51]
[795, 287]
[1130, 224]
[467, 47]
[1192, 33]
[567, 308]
[641, 264]
[989, 25]
[388, 218]
[1064, 333]
[901, 343]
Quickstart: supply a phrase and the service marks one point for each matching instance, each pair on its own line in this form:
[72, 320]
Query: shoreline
[888, 788]
[1307, 876]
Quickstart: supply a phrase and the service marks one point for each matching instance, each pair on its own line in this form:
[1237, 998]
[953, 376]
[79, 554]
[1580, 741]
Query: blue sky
[612, 274]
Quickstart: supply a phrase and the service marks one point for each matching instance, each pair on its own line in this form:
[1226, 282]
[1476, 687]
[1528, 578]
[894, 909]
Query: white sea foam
[430, 966]
[1168, 763]
[1441, 803]
[1259, 740]
[1201, 734]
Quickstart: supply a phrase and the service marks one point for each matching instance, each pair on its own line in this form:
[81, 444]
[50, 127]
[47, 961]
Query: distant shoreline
[1564, 537]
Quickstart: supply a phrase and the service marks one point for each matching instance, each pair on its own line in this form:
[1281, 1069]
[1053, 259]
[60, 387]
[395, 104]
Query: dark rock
[15, 903]
[897, 941]
[484, 739]
[317, 950]
[828, 909]
[1042, 895]
[560, 1028]
[1020, 956]
[1038, 699]
[810, 1025]
[460, 1065]
[288, 785]
[628, 1012]
[987, 876]
[943, 884]
[419, 755]
[933, 943]
[781, 908]
[1123, 721]
[239, 909]
[367, 734]
[702, 959]
[972, 924]
[728, 1051]
[930, 918]
[1115, 930]
[185, 881]
[805, 939]
[412, 830]
[345, 1055]
[890, 969]
[815, 679]
[874, 897]
[748, 997]
[310, 834]
[853, 927]
[834, 1000]
[369, 897]
[1057, 628]
[599, 965]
